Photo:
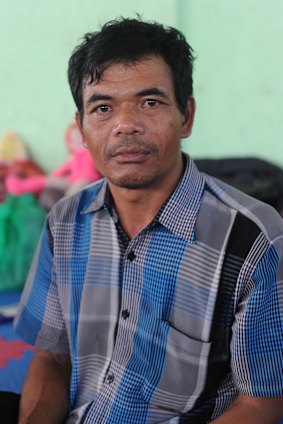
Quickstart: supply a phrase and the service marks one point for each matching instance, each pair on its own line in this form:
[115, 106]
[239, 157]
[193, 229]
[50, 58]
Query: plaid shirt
[170, 328]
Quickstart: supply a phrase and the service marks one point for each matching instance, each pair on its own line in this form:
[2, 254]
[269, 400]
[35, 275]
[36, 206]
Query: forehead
[118, 78]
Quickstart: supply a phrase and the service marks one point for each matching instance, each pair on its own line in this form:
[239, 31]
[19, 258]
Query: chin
[133, 182]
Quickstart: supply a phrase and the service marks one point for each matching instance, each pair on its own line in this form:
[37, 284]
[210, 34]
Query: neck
[136, 208]
[137, 211]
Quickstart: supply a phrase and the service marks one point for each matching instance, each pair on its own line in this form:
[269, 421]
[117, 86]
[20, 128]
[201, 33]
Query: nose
[128, 121]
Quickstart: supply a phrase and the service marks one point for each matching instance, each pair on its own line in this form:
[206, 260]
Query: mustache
[131, 144]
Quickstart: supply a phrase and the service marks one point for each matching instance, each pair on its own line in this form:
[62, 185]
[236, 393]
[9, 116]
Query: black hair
[125, 40]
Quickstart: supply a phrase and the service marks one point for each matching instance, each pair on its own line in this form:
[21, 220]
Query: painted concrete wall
[36, 40]
[238, 72]
[238, 77]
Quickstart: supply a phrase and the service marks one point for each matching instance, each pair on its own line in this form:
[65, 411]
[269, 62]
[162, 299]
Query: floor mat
[15, 355]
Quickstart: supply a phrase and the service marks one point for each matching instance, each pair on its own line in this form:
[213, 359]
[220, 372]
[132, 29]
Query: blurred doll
[12, 147]
[74, 174]
[14, 160]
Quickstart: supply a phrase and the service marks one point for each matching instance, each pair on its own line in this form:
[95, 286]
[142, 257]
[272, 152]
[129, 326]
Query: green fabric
[21, 221]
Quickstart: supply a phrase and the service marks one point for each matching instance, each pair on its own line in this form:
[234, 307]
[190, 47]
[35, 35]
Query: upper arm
[45, 394]
[63, 361]
[49, 365]
[40, 317]
[269, 408]
[257, 341]
[253, 410]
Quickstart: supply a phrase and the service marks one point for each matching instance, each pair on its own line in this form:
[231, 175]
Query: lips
[131, 155]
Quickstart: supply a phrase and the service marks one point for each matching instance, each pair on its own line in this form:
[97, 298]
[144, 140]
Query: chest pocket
[183, 376]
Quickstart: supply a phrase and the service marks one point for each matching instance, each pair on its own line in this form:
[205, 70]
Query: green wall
[238, 73]
[238, 77]
[36, 40]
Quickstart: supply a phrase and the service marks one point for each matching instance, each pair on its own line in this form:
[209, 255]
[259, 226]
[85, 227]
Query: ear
[188, 118]
[80, 127]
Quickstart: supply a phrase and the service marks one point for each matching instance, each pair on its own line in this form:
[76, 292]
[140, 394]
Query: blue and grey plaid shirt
[172, 326]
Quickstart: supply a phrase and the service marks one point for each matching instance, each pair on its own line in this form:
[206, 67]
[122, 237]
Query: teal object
[21, 221]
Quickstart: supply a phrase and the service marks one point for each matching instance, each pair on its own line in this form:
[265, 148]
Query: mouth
[131, 155]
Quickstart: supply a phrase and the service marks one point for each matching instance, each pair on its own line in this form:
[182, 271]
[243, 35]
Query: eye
[102, 109]
[150, 103]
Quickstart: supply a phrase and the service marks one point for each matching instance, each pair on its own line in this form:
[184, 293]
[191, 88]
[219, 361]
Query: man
[156, 294]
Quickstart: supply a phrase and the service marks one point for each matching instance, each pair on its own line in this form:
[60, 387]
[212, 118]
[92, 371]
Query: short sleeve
[39, 320]
[257, 340]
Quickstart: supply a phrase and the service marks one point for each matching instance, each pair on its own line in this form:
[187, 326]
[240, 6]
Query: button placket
[122, 351]
[125, 314]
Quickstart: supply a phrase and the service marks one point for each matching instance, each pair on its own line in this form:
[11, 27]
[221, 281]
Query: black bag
[253, 176]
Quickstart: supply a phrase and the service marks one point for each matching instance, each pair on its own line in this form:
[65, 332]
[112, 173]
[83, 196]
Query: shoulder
[253, 211]
[70, 208]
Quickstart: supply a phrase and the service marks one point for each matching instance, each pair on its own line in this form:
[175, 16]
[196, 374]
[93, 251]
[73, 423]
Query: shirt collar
[100, 200]
[180, 212]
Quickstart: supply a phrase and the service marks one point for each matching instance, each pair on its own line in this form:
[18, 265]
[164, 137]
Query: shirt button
[125, 314]
[110, 378]
[131, 256]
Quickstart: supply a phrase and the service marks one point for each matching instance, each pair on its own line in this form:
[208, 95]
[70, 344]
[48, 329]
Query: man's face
[132, 124]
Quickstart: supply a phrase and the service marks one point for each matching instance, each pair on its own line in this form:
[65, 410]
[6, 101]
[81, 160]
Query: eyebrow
[96, 97]
[152, 91]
